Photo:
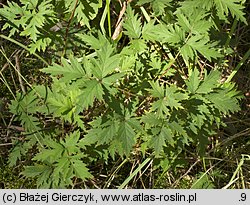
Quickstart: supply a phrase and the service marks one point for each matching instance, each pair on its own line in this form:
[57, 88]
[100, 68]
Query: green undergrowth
[143, 100]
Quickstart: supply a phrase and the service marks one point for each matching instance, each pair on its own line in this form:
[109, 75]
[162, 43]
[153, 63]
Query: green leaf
[126, 136]
[210, 82]
[15, 155]
[24, 107]
[80, 169]
[224, 102]
[132, 24]
[138, 46]
[93, 134]
[157, 90]
[178, 128]
[159, 140]
[172, 34]
[106, 62]
[159, 6]
[30, 17]
[190, 5]
[127, 62]
[70, 142]
[234, 6]
[33, 171]
[193, 81]
[151, 119]
[94, 42]
[109, 131]
[160, 106]
[194, 22]
[44, 179]
[148, 31]
[174, 96]
[169, 96]
[93, 90]
[222, 7]
[184, 22]
[114, 78]
[40, 45]
[86, 10]
[202, 45]
[141, 2]
[49, 155]
[61, 168]
[65, 101]
[70, 70]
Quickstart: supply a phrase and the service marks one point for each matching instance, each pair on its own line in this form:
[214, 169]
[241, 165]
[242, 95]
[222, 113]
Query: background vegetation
[116, 94]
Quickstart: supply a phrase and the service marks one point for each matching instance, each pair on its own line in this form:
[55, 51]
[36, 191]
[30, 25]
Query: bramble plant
[152, 90]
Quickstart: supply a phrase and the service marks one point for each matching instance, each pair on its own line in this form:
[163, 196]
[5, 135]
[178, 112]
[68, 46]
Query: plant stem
[109, 20]
[242, 61]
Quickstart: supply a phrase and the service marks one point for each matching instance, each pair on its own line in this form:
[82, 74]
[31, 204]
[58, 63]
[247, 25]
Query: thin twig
[186, 173]
[6, 144]
[240, 134]
[118, 26]
[16, 128]
[18, 67]
[6, 65]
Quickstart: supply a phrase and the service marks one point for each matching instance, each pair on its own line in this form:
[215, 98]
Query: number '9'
[243, 196]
